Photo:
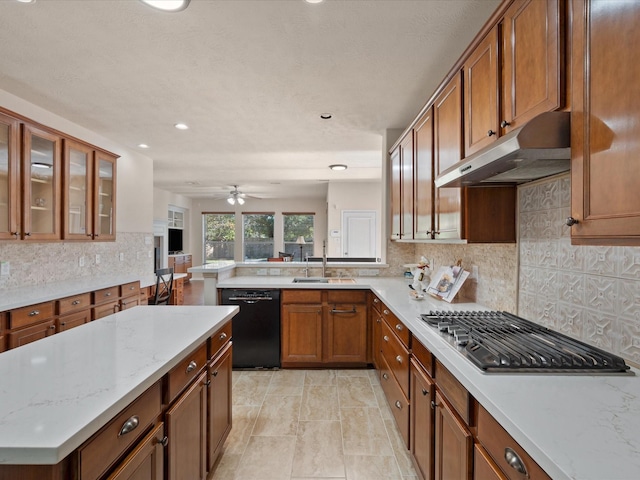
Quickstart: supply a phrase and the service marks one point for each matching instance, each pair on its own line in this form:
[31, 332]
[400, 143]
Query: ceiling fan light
[240, 200]
[231, 201]
[338, 167]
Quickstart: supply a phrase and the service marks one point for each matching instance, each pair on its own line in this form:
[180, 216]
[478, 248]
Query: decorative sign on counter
[447, 282]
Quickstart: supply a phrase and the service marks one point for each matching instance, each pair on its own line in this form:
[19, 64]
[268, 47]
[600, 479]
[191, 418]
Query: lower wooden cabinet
[219, 405]
[186, 432]
[67, 322]
[31, 334]
[483, 467]
[146, 461]
[453, 444]
[324, 327]
[421, 417]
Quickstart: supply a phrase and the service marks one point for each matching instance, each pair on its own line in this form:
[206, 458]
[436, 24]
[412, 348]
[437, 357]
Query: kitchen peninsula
[60, 391]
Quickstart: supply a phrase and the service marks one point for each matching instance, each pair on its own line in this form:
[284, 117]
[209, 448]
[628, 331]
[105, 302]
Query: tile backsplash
[31, 264]
[591, 293]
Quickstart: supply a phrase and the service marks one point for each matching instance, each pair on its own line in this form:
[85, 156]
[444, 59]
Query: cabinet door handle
[52, 327]
[399, 327]
[215, 374]
[570, 221]
[15, 234]
[433, 405]
[424, 392]
[515, 461]
[375, 300]
[385, 376]
[385, 338]
[62, 324]
[398, 405]
[223, 336]
[399, 359]
[207, 383]
[164, 441]
[377, 320]
[504, 124]
[490, 133]
[33, 313]
[386, 312]
[28, 234]
[129, 426]
[192, 366]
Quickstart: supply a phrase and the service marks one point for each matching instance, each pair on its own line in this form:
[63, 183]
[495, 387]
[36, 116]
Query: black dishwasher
[256, 328]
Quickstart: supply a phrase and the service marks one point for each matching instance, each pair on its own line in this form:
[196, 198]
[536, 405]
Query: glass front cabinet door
[105, 196]
[9, 179]
[41, 154]
[78, 201]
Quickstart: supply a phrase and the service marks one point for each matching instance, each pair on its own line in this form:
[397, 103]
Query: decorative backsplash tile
[32, 264]
[591, 293]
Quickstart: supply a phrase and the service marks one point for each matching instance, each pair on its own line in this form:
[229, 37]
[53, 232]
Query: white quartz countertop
[23, 296]
[57, 392]
[213, 267]
[579, 427]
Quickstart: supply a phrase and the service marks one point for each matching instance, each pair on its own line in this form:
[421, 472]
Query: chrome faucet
[324, 258]
[306, 270]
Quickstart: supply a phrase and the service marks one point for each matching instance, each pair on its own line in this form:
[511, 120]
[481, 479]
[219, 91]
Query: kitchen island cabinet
[122, 362]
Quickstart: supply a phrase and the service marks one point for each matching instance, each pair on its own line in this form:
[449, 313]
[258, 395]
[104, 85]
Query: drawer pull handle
[223, 336]
[377, 320]
[515, 462]
[164, 441]
[215, 374]
[132, 288]
[353, 310]
[385, 376]
[52, 327]
[385, 338]
[129, 426]
[375, 300]
[433, 405]
[386, 312]
[33, 313]
[398, 405]
[108, 294]
[424, 392]
[399, 359]
[192, 366]
[75, 302]
[399, 327]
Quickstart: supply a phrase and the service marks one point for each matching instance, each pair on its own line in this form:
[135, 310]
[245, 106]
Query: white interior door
[359, 239]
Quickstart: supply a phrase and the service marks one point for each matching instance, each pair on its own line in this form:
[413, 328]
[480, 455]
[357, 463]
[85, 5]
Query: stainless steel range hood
[537, 149]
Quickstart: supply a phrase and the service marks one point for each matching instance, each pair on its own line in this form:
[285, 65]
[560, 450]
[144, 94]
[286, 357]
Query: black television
[175, 240]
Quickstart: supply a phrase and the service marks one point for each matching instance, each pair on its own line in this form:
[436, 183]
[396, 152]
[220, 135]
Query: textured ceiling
[250, 78]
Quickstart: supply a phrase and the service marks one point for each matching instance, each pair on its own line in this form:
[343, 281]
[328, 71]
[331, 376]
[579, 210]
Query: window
[219, 236]
[298, 225]
[257, 231]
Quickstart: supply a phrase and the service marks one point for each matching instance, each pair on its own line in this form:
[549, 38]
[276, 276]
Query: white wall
[343, 196]
[277, 206]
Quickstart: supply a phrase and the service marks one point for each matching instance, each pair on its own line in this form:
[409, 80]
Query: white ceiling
[249, 77]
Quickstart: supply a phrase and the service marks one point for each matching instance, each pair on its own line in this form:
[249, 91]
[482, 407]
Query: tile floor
[312, 424]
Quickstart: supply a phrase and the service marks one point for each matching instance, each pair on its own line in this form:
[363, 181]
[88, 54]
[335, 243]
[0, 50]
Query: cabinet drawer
[396, 356]
[22, 317]
[105, 447]
[397, 401]
[376, 303]
[104, 310]
[219, 339]
[129, 289]
[72, 320]
[500, 445]
[347, 296]
[71, 304]
[183, 373]
[31, 334]
[131, 301]
[453, 390]
[301, 296]
[105, 295]
[422, 355]
[398, 327]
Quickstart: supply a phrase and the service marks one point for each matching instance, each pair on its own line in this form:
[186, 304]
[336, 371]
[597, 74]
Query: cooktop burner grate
[502, 342]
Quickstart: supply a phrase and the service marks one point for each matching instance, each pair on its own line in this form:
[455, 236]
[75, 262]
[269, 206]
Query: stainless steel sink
[322, 280]
[310, 280]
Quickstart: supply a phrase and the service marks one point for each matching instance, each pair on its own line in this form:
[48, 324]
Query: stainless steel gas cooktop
[502, 342]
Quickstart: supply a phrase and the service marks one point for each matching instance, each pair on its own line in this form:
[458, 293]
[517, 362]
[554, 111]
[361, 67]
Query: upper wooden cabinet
[533, 56]
[53, 187]
[423, 177]
[605, 199]
[447, 133]
[481, 73]
[9, 178]
[41, 172]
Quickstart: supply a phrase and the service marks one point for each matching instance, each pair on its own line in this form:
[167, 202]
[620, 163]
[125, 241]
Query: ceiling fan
[235, 196]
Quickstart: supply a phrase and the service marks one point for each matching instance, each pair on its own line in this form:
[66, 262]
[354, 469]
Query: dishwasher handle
[250, 299]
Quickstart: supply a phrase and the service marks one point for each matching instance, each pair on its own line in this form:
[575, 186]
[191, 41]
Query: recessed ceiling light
[314, 1]
[143, 145]
[338, 166]
[192, 183]
[181, 126]
[167, 5]
[325, 116]
[27, 1]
